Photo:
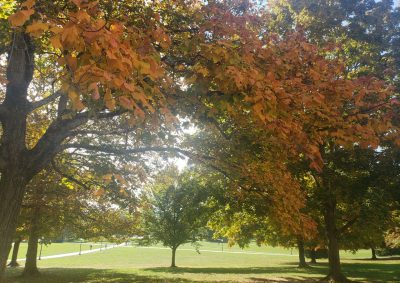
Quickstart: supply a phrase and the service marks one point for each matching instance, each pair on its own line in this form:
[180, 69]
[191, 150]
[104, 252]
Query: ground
[215, 263]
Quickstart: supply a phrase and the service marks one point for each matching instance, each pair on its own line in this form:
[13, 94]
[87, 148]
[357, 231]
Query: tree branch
[119, 149]
[60, 129]
[46, 100]
[70, 178]
[100, 133]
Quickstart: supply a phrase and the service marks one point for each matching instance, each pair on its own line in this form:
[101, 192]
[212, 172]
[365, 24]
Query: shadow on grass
[75, 275]
[89, 275]
[380, 258]
[236, 270]
[289, 273]
[284, 280]
[370, 272]
[373, 271]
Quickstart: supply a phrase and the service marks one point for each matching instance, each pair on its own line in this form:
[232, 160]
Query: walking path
[75, 253]
[160, 248]
[215, 251]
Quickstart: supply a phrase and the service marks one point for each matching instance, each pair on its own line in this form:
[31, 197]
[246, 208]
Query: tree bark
[302, 257]
[373, 254]
[31, 254]
[173, 257]
[11, 194]
[14, 256]
[335, 271]
[13, 151]
[313, 255]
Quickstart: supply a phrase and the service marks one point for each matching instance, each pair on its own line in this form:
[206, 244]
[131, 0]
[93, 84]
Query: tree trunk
[13, 151]
[313, 255]
[173, 257]
[14, 257]
[11, 194]
[373, 257]
[31, 255]
[335, 271]
[302, 257]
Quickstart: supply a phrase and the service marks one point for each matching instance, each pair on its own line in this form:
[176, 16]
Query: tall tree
[176, 211]
[127, 62]
[250, 215]
[368, 34]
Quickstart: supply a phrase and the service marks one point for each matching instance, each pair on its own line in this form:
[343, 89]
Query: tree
[50, 203]
[176, 212]
[252, 153]
[20, 234]
[127, 62]
[367, 31]
[84, 204]
[243, 219]
[107, 221]
[61, 91]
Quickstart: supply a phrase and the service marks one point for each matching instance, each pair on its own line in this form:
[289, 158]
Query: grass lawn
[58, 248]
[258, 264]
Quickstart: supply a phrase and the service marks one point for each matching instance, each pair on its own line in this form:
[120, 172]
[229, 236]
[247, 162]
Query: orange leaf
[99, 192]
[82, 16]
[76, 101]
[126, 102]
[55, 41]
[72, 62]
[70, 35]
[95, 91]
[37, 28]
[19, 18]
[28, 4]
[109, 100]
[78, 3]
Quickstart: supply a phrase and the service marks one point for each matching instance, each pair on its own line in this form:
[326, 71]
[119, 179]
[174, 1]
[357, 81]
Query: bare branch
[120, 149]
[102, 133]
[46, 100]
[62, 105]
[70, 178]
[58, 131]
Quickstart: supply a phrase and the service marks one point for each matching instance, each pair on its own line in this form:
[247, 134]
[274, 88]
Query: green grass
[58, 248]
[138, 264]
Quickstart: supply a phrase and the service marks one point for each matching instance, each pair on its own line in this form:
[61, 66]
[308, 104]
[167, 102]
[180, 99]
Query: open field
[59, 248]
[254, 264]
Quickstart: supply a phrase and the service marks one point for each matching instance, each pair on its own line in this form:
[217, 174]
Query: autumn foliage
[288, 84]
[124, 60]
[213, 62]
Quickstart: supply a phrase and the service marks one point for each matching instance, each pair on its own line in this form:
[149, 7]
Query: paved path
[160, 248]
[75, 253]
[215, 251]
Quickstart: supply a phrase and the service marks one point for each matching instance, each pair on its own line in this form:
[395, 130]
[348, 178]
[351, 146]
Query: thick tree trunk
[173, 257]
[31, 257]
[13, 151]
[335, 271]
[11, 194]
[31, 254]
[15, 250]
[302, 257]
[373, 254]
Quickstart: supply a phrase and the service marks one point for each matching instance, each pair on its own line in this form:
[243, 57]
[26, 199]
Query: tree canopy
[87, 83]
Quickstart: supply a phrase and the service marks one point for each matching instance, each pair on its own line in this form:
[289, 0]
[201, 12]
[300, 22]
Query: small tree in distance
[175, 211]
